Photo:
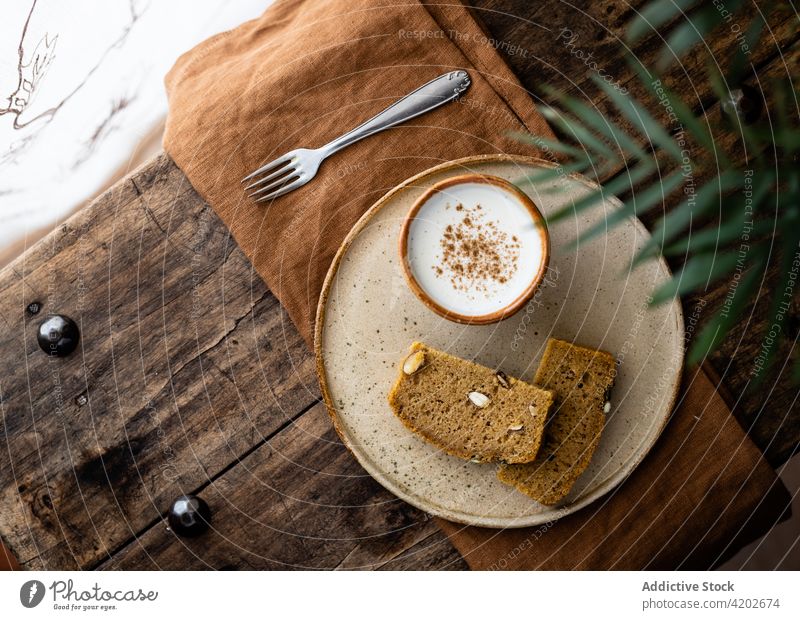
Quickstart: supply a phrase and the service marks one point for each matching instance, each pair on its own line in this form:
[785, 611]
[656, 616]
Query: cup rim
[523, 298]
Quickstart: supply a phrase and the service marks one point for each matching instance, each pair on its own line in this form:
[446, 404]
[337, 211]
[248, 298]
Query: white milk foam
[501, 217]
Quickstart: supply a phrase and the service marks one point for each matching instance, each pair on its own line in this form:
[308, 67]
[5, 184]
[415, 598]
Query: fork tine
[270, 176]
[276, 183]
[283, 190]
[265, 167]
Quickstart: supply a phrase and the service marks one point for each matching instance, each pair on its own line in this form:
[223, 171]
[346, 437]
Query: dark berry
[58, 335]
[189, 516]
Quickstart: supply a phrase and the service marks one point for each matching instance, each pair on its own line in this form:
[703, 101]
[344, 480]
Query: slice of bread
[581, 379]
[468, 410]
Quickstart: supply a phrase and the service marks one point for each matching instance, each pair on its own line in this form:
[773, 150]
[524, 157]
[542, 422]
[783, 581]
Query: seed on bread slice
[581, 379]
[467, 410]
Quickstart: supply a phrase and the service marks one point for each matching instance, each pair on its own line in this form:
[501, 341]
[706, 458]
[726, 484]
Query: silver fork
[298, 167]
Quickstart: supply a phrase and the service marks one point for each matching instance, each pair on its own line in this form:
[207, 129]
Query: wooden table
[190, 378]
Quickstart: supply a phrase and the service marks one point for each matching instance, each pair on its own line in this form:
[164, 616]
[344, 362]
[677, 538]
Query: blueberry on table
[58, 335]
[189, 516]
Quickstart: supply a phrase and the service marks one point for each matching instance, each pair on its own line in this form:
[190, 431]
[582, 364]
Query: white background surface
[81, 87]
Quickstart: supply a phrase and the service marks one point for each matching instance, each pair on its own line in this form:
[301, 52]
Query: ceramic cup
[474, 248]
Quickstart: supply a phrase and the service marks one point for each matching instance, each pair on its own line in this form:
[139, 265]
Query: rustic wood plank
[299, 501]
[186, 362]
[433, 553]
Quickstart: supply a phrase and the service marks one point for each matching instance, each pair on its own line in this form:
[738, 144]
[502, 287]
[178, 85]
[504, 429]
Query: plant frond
[714, 332]
[694, 29]
[699, 272]
[579, 133]
[654, 15]
[639, 203]
[642, 121]
[602, 125]
[696, 205]
[617, 185]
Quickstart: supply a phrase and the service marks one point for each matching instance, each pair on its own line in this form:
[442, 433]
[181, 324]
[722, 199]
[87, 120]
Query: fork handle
[437, 92]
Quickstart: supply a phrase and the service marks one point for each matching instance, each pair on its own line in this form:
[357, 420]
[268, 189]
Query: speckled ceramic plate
[368, 316]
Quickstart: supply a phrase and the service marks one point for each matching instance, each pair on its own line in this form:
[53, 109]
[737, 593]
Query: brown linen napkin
[301, 75]
[305, 72]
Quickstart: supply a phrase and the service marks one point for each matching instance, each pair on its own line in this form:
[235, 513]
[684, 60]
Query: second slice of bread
[467, 410]
[581, 379]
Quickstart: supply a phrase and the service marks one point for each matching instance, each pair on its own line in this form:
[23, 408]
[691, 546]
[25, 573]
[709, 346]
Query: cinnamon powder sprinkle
[475, 253]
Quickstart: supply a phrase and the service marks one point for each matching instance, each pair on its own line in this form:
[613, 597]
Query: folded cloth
[305, 72]
[301, 75]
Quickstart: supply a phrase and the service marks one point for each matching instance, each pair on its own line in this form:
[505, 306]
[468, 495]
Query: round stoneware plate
[368, 316]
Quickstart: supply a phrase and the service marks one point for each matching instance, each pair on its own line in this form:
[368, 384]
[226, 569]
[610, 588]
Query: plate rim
[379, 475]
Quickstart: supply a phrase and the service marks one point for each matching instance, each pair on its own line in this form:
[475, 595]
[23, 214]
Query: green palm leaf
[693, 30]
[617, 185]
[739, 245]
[690, 123]
[653, 16]
[639, 203]
[714, 238]
[700, 271]
[549, 174]
[730, 229]
[736, 72]
[581, 134]
[712, 334]
[602, 125]
[677, 220]
[547, 144]
[642, 121]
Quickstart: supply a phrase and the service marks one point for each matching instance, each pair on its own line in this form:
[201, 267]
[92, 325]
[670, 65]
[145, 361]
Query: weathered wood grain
[195, 381]
[186, 362]
[299, 501]
[432, 553]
